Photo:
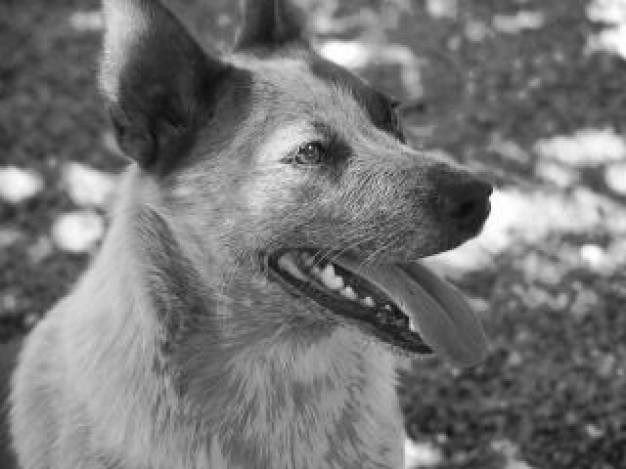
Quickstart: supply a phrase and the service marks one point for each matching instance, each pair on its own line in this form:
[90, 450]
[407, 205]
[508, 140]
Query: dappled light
[607, 11]
[611, 14]
[585, 147]
[442, 8]
[18, 184]
[87, 21]
[351, 54]
[615, 177]
[510, 454]
[474, 31]
[8, 237]
[529, 93]
[371, 49]
[88, 187]
[556, 174]
[508, 149]
[519, 22]
[418, 455]
[77, 232]
[357, 55]
[40, 250]
[8, 302]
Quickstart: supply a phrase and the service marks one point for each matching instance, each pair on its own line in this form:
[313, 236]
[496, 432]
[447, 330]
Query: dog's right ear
[158, 82]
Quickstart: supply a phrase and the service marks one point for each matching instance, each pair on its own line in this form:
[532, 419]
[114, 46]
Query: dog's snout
[465, 203]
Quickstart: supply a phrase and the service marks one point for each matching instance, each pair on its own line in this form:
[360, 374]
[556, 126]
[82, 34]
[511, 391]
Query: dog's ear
[271, 24]
[157, 81]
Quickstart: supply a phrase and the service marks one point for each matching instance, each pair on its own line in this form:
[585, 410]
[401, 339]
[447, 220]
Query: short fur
[8, 355]
[175, 350]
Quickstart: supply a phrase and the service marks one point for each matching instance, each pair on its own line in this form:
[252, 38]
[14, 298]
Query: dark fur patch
[269, 24]
[230, 105]
[178, 295]
[337, 149]
[379, 107]
[166, 89]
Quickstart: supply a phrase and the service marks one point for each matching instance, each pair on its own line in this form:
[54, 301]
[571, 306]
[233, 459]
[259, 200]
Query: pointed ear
[271, 24]
[157, 81]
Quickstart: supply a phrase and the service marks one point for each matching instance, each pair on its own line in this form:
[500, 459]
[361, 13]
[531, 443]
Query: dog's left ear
[271, 24]
[158, 82]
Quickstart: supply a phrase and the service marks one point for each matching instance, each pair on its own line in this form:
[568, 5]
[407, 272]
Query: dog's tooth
[336, 283]
[368, 301]
[349, 293]
[328, 273]
[330, 279]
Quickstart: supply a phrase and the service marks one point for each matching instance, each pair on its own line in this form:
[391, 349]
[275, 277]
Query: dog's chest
[329, 407]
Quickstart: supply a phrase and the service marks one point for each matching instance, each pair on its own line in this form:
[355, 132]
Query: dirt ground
[529, 92]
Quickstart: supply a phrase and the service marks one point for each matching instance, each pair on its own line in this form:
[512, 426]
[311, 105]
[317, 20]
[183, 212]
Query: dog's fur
[175, 350]
[8, 355]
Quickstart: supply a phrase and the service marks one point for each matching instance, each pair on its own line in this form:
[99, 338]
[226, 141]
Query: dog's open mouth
[405, 305]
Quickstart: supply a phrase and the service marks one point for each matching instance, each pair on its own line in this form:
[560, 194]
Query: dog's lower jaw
[96, 389]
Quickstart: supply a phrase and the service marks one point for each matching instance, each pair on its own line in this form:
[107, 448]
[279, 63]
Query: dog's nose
[465, 203]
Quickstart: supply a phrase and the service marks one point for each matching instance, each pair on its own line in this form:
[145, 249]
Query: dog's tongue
[444, 318]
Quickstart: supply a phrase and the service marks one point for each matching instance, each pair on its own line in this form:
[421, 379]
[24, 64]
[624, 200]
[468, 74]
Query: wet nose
[465, 203]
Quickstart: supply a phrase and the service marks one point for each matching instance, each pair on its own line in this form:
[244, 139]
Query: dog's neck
[249, 390]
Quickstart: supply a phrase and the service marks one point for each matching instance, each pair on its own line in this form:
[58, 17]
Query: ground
[528, 92]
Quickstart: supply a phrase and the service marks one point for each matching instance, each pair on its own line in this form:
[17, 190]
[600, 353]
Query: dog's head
[279, 160]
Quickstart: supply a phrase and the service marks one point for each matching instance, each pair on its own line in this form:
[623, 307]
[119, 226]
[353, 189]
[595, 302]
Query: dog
[259, 283]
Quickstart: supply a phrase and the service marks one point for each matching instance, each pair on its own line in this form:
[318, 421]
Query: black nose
[465, 202]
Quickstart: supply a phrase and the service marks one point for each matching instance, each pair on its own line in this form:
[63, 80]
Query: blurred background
[531, 93]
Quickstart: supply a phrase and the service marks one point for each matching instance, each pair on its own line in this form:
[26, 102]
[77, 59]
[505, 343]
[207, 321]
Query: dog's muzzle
[405, 305]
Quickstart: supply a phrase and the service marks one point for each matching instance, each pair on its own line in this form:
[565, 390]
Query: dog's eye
[309, 154]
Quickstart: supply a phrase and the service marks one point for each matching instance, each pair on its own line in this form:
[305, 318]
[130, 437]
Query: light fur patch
[312, 99]
[126, 23]
[284, 141]
[323, 373]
